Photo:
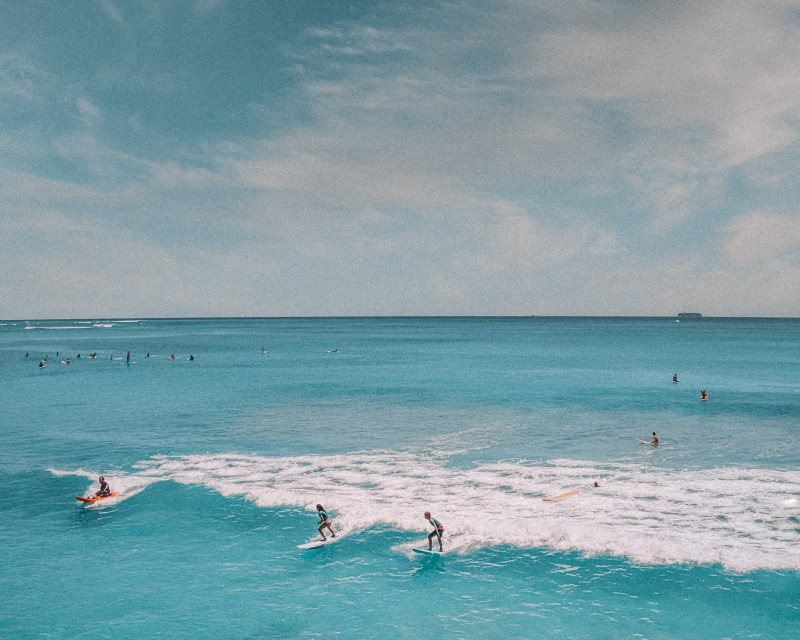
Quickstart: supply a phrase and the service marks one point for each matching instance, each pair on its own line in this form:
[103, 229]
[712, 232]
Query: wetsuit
[438, 528]
[104, 489]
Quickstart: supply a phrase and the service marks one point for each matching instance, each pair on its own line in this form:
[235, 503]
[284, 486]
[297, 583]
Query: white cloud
[19, 78]
[760, 236]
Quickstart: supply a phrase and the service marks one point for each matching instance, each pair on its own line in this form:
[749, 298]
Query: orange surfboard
[562, 496]
[83, 499]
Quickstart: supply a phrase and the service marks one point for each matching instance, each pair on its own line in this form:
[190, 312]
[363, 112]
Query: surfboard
[426, 552]
[562, 496]
[84, 499]
[318, 544]
[648, 442]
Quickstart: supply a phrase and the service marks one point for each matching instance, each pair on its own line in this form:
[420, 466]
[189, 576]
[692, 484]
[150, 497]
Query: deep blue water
[220, 460]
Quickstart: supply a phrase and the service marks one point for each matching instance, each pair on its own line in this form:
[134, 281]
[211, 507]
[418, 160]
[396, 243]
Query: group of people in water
[703, 394]
[46, 359]
[324, 518]
[438, 528]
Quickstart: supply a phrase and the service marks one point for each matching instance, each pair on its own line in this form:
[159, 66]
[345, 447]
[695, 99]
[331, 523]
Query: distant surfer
[654, 441]
[105, 490]
[438, 531]
[172, 357]
[128, 360]
[703, 395]
[675, 378]
[324, 521]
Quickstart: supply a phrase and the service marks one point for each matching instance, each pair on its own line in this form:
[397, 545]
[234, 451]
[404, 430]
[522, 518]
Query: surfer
[324, 521]
[105, 490]
[703, 395]
[438, 531]
[654, 441]
[675, 378]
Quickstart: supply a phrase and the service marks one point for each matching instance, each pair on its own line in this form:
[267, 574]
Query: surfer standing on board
[105, 490]
[438, 531]
[324, 521]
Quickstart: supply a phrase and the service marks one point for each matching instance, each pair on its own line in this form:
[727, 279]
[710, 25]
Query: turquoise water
[220, 460]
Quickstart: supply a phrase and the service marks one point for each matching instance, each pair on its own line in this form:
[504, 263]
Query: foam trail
[744, 519]
[126, 485]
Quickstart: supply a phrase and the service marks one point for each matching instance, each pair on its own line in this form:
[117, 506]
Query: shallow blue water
[220, 460]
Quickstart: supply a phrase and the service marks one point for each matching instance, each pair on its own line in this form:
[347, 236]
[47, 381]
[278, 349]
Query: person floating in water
[191, 357]
[172, 357]
[675, 378]
[438, 531]
[105, 490]
[703, 395]
[324, 521]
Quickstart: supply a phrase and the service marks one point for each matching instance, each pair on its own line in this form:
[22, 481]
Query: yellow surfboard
[562, 496]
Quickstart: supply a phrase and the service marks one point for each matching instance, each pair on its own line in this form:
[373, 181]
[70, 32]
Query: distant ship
[689, 316]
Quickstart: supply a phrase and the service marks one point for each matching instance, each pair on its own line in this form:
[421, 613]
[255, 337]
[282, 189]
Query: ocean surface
[220, 455]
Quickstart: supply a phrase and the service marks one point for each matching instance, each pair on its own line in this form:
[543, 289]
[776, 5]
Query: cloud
[499, 158]
[19, 78]
[759, 236]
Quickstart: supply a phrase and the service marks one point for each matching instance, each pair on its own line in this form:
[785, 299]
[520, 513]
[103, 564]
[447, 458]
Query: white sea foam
[54, 328]
[744, 519]
[126, 485]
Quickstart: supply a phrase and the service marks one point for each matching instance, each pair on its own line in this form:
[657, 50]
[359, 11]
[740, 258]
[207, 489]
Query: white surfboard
[318, 544]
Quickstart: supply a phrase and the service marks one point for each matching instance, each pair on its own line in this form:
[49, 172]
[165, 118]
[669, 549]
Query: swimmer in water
[703, 395]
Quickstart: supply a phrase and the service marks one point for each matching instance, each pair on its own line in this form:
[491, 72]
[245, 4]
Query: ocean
[220, 455]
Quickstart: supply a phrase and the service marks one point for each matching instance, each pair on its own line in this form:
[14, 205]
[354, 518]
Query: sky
[407, 157]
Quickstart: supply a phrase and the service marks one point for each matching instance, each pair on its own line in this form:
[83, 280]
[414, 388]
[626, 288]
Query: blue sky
[498, 157]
